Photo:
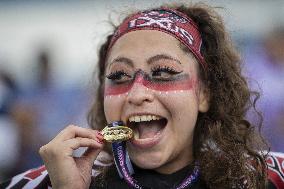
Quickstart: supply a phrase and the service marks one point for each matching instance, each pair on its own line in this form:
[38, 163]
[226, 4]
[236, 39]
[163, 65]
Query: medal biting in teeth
[116, 134]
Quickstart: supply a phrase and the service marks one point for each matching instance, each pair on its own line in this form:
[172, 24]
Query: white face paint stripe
[157, 92]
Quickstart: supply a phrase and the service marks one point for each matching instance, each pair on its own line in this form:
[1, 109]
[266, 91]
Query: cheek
[113, 106]
[182, 96]
[183, 110]
[179, 102]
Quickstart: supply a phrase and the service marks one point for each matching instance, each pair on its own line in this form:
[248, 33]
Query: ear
[204, 97]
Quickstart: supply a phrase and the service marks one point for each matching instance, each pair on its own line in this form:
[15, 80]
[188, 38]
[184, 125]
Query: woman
[171, 75]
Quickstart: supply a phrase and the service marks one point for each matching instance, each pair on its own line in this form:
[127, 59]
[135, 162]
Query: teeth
[137, 119]
[143, 118]
[131, 119]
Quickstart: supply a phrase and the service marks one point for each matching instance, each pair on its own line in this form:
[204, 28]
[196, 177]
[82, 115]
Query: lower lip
[147, 142]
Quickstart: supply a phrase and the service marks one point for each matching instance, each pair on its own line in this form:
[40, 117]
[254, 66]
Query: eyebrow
[122, 60]
[151, 60]
[162, 57]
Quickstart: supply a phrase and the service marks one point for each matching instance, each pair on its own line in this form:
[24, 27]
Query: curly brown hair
[225, 142]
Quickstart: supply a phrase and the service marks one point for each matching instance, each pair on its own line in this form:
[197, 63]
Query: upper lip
[126, 119]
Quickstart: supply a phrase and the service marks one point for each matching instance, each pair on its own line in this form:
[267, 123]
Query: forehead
[145, 42]
[141, 45]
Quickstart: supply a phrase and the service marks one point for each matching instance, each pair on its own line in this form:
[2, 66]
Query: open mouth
[146, 126]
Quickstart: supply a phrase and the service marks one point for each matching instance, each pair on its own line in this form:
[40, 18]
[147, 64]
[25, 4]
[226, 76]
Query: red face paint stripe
[186, 84]
[117, 89]
[171, 86]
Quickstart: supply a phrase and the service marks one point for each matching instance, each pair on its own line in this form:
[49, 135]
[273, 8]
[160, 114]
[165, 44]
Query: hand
[66, 171]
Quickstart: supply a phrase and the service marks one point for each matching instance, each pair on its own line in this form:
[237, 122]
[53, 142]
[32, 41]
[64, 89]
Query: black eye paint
[177, 82]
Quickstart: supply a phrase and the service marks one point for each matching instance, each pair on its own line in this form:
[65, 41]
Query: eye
[164, 73]
[119, 76]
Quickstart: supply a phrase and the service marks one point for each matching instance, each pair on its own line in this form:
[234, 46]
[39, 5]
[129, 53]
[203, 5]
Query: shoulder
[38, 178]
[275, 165]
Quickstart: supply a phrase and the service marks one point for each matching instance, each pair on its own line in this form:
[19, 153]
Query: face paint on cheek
[177, 83]
[182, 82]
[117, 89]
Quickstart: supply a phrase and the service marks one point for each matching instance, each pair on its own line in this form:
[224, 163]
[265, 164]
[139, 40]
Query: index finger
[73, 131]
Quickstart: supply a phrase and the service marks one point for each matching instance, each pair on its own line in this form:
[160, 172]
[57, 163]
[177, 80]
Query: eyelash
[166, 69]
[116, 75]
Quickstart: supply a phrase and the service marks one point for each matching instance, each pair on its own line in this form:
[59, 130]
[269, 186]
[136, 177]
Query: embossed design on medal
[117, 134]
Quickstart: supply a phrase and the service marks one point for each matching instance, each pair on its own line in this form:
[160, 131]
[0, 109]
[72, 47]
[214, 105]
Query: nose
[139, 94]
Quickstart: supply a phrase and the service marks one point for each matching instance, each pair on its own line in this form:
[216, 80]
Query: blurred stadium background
[48, 50]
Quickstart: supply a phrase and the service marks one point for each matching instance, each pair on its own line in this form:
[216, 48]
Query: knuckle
[48, 150]
[71, 127]
[43, 150]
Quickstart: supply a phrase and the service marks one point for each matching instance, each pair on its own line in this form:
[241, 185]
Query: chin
[147, 160]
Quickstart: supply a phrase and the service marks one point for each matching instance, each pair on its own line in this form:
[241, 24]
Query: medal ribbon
[125, 169]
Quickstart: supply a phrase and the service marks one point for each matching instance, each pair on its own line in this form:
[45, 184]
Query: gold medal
[117, 134]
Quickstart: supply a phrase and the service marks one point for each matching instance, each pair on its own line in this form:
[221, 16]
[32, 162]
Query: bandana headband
[168, 21]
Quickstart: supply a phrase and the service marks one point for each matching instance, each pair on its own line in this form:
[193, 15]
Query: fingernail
[100, 137]
[99, 133]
